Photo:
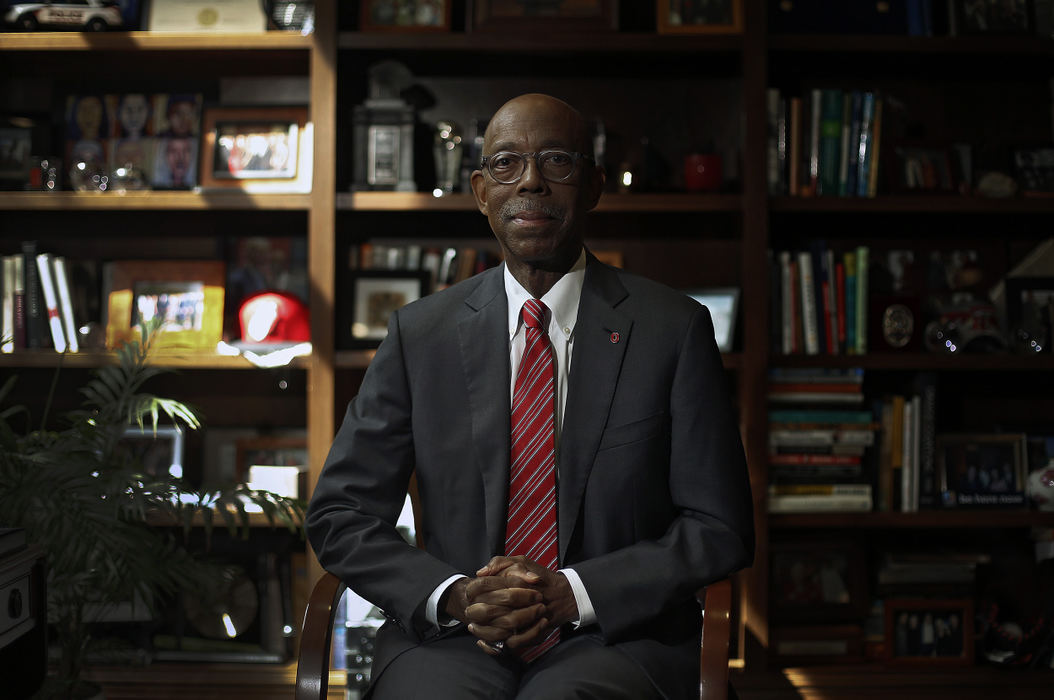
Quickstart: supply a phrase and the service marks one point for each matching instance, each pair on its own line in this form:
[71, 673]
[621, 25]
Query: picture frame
[412, 16]
[189, 293]
[929, 632]
[699, 17]
[568, 16]
[723, 303]
[155, 451]
[815, 581]
[16, 146]
[794, 645]
[367, 300]
[988, 17]
[981, 470]
[924, 169]
[256, 149]
[1030, 314]
[273, 463]
[206, 16]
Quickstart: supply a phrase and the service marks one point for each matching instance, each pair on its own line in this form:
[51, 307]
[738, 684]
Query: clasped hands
[513, 602]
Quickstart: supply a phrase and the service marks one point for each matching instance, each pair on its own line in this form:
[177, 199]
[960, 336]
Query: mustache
[510, 209]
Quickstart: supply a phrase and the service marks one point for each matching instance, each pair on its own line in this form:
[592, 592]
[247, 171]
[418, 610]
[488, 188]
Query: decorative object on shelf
[89, 176]
[981, 470]
[817, 581]
[271, 451]
[723, 303]
[702, 172]
[367, 300]
[44, 174]
[545, 15]
[988, 17]
[405, 15]
[257, 149]
[383, 132]
[964, 324]
[85, 501]
[292, 15]
[817, 644]
[996, 185]
[273, 318]
[447, 150]
[691, 17]
[1030, 313]
[924, 170]
[894, 296]
[128, 177]
[16, 146]
[1034, 168]
[228, 16]
[929, 631]
[187, 297]
[85, 16]
[1040, 484]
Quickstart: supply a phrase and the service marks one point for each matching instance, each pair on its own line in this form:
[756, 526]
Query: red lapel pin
[614, 337]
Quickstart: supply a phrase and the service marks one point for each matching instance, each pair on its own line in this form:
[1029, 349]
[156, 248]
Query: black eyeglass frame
[484, 163]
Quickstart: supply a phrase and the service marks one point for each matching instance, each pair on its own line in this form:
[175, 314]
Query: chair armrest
[713, 651]
[316, 638]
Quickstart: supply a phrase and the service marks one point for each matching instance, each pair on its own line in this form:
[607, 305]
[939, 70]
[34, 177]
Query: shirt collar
[562, 299]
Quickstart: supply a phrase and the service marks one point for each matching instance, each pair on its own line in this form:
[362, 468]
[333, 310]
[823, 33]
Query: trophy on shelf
[383, 132]
[447, 151]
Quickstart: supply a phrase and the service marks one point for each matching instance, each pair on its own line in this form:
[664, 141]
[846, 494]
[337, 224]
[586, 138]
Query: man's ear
[596, 184]
[479, 189]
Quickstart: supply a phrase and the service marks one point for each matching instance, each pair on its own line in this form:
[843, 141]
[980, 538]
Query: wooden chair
[312, 672]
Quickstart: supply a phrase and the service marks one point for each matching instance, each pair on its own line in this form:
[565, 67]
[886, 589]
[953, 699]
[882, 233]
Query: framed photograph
[369, 297]
[723, 303]
[206, 16]
[929, 632]
[817, 644]
[1034, 168]
[155, 452]
[545, 15]
[256, 149]
[993, 16]
[186, 295]
[405, 15]
[16, 144]
[817, 581]
[276, 464]
[1030, 314]
[986, 471]
[700, 17]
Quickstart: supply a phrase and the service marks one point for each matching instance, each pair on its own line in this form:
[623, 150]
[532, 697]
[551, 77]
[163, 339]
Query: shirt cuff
[586, 614]
[432, 606]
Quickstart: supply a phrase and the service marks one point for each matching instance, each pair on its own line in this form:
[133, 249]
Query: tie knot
[534, 314]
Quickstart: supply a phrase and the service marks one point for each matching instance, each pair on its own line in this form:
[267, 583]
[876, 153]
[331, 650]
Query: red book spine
[825, 292]
[839, 275]
[824, 459]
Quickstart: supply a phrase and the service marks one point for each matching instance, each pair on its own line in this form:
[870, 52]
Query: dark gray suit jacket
[653, 497]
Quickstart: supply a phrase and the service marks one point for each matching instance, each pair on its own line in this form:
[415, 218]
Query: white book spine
[7, 316]
[905, 457]
[810, 331]
[62, 286]
[51, 301]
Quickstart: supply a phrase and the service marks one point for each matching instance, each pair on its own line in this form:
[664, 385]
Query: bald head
[531, 111]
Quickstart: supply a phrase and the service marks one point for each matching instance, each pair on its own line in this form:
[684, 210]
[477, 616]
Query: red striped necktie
[531, 529]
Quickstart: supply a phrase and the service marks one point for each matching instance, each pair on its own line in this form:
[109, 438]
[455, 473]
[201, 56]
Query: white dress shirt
[562, 301]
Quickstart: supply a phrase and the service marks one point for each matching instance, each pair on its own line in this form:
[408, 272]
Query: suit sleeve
[360, 493]
[712, 532]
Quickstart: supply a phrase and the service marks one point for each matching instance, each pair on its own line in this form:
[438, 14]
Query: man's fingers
[500, 617]
[530, 636]
[508, 597]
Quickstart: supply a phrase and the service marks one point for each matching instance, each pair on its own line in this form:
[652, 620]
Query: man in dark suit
[644, 489]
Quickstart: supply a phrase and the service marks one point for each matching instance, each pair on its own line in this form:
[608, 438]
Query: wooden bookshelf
[929, 519]
[139, 41]
[921, 203]
[964, 362]
[151, 201]
[610, 202]
[171, 359]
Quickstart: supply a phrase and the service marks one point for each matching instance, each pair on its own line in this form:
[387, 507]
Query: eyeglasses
[507, 167]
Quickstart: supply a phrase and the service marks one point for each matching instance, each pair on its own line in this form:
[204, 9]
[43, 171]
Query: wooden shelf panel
[610, 202]
[360, 359]
[28, 359]
[177, 681]
[996, 362]
[152, 200]
[943, 204]
[862, 43]
[151, 41]
[549, 43]
[921, 519]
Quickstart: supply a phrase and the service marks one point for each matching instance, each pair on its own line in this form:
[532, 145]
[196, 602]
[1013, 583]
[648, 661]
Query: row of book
[36, 309]
[819, 301]
[821, 435]
[445, 266]
[825, 143]
[907, 475]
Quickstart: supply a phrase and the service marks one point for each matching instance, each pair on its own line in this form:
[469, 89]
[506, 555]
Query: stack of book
[820, 301]
[820, 437]
[446, 266]
[36, 309]
[945, 573]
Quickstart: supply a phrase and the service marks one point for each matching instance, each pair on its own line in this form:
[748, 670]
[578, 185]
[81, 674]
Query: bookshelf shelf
[150, 201]
[910, 361]
[944, 204]
[862, 43]
[547, 43]
[29, 359]
[920, 519]
[151, 41]
[360, 359]
[640, 203]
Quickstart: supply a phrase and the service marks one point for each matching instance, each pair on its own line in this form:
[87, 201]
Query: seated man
[579, 467]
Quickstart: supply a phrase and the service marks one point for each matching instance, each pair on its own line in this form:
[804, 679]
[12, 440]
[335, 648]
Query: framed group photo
[256, 149]
[929, 632]
[545, 15]
[982, 470]
[367, 300]
[405, 15]
[817, 581]
[699, 17]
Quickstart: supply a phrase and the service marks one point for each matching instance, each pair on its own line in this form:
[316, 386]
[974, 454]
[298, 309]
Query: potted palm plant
[79, 495]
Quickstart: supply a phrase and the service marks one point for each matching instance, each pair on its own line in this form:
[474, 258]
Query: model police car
[86, 15]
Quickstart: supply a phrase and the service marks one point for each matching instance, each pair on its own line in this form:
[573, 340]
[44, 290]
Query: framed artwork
[206, 16]
[993, 16]
[986, 471]
[929, 632]
[699, 17]
[270, 463]
[154, 452]
[544, 15]
[723, 303]
[1030, 313]
[256, 149]
[368, 299]
[817, 581]
[16, 144]
[405, 15]
[186, 295]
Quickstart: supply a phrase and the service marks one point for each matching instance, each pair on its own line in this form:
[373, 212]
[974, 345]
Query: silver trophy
[447, 151]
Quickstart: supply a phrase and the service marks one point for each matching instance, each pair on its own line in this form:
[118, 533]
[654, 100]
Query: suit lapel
[601, 336]
[483, 336]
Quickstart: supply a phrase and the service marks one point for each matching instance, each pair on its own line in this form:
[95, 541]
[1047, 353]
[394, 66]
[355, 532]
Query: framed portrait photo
[723, 303]
[929, 632]
[154, 452]
[273, 463]
[367, 300]
[256, 149]
[817, 581]
[545, 15]
[1030, 313]
[405, 15]
[982, 471]
[699, 17]
[187, 297]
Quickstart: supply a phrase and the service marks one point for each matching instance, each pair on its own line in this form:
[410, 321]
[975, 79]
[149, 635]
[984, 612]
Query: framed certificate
[206, 16]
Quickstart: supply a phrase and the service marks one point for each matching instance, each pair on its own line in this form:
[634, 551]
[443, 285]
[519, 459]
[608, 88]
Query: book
[19, 297]
[822, 387]
[815, 397]
[865, 147]
[838, 489]
[772, 171]
[62, 286]
[840, 303]
[787, 298]
[820, 416]
[7, 305]
[817, 375]
[926, 386]
[852, 167]
[815, 111]
[843, 152]
[51, 301]
[830, 137]
[874, 149]
[36, 312]
[798, 503]
[813, 459]
[794, 155]
[810, 330]
[849, 298]
[861, 299]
